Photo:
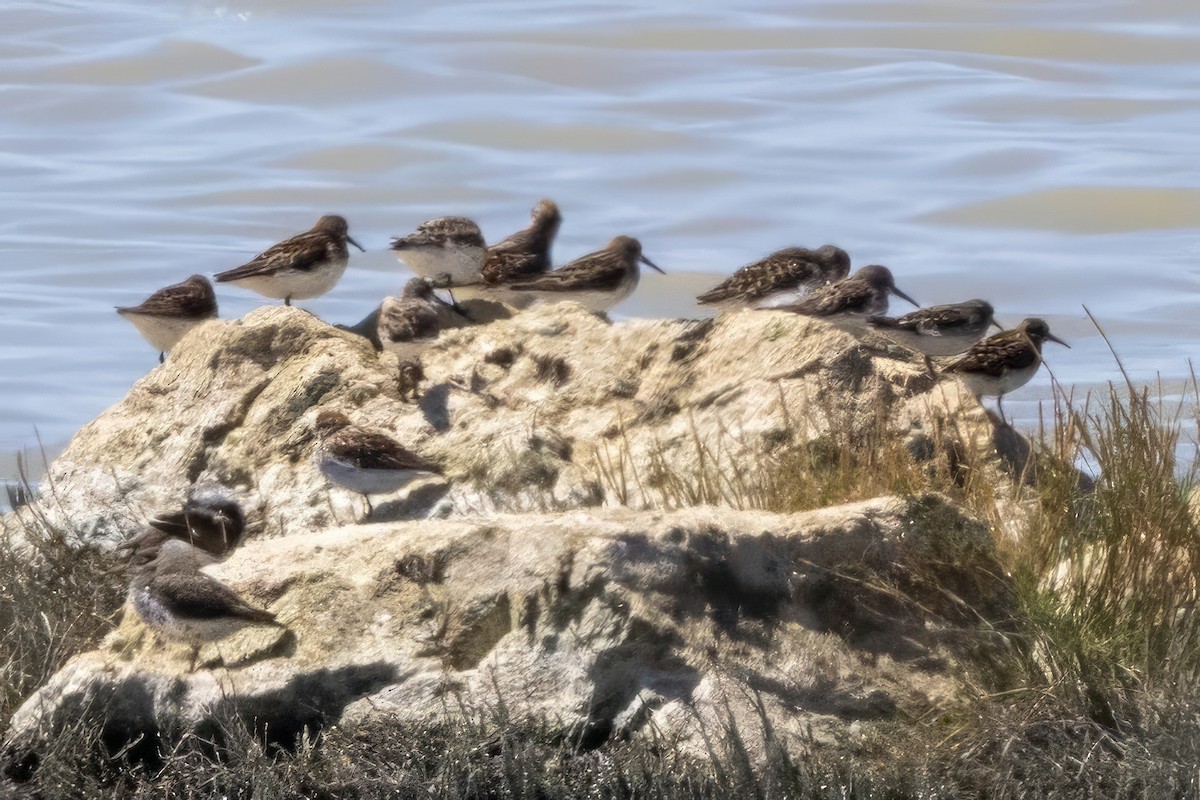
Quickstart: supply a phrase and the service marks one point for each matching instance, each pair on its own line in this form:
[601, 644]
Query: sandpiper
[165, 316]
[364, 461]
[1005, 361]
[781, 278]
[178, 601]
[447, 250]
[306, 265]
[944, 330]
[597, 281]
[410, 318]
[192, 607]
[206, 529]
[526, 252]
[863, 293]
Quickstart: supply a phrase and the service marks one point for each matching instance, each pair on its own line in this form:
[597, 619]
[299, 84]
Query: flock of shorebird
[449, 253]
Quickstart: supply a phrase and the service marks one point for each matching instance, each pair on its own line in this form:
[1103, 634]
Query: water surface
[1041, 155]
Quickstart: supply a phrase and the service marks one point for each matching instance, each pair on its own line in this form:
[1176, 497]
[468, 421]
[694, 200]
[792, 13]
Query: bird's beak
[175, 523]
[999, 327]
[651, 265]
[356, 244]
[902, 295]
[1054, 338]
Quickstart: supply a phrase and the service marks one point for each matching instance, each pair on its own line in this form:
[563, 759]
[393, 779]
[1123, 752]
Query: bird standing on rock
[410, 318]
[306, 265]
[785, 276]
[863, 293]
[446, 250]
[165, 316]
[1005, 361]
[597, 281]
[168, 591]
[526, 252]
[944, 330]
[364, 461]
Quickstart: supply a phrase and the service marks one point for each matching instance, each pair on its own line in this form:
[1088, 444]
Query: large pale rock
[603, 622]
[552, 409]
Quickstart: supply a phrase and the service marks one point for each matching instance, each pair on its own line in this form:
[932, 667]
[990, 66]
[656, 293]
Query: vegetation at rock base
[1094, 697]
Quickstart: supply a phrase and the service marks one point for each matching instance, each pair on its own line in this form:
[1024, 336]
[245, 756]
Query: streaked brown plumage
[448, 250]
[363, 449]
[306, 265]
[783, 276]
[863, 293]
[943, 330]
[1004, 362]
[598, 281]
[191, 298]
[165, 316]
[526, 252]
[364, 461]
[412, 317]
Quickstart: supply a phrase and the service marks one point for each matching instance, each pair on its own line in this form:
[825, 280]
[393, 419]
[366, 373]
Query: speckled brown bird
[410, 318]
[863, 293]
[365, 461]
[446, 250]
[784, 277]
[165, 316]
[527, 252]
[307, 265]
[597, 281]
[944, 330]
[1006, 361]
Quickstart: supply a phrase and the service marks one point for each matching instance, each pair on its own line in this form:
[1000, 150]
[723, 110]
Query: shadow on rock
[137, 722]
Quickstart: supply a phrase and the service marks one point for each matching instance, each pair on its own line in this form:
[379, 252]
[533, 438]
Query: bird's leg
[287, 301]
[1000, 408]
[162, 357]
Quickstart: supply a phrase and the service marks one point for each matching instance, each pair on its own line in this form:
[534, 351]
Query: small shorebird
[399, 323]
[863, 293]
[523, 256]
[446, 250]
[195, 608]
[364, 461]
[1005, 361]
[526, 252]
[183, 604]
[597, 281]
[411, 317]
[781, 278]
[944, 330]
[165, 316]
[206, 529]
[306, 265]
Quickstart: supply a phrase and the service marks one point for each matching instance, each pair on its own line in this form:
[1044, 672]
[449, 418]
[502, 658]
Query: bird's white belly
[1008, 380]
[367, 481]
[457, 263]
[297, 284]
[163, 333]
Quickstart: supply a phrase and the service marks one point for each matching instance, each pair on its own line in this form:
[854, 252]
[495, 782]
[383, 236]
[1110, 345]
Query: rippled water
[1039, 154]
